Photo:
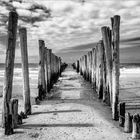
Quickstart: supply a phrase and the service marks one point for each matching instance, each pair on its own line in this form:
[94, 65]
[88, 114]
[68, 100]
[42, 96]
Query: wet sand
[73, 113]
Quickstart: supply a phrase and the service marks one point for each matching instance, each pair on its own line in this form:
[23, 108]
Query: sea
[125, 68]
[18, 82]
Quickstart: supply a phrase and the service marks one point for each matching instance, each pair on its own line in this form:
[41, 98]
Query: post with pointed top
[90, 68]
[100, 69]
[25, 70]
[49, 68]
[41, 75]
[116, 65]
[108, 56]
[9, 69]
[93, 67]
[46, 68]
[77, 66]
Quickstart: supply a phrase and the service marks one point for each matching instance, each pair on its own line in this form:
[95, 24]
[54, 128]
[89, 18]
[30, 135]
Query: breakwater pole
[101, 66]
[25, 70]
[50, 68]
[9, 69]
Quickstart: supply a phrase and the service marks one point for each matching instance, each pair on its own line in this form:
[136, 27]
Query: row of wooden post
[50, 67]
[101, 65]
[131, 123]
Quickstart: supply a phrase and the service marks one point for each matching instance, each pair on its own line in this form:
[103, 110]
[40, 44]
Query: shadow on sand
[56, 111]
[30, 126]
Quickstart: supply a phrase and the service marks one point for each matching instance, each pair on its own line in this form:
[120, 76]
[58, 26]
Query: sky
[72, 27]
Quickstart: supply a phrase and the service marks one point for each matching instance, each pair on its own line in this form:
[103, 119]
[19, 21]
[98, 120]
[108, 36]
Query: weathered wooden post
[100, 69]
[128, 123]
[90, 74]
[136, 126]
[121, 114]
[59, 66]
[80, 66]
[105, 94]
[52, 70]
[49, 68]
[25, 71]
[77, 66]
[88, 65]
[55, 71]
[96, 68]
[14, 111]
[46, 68]
[41, 75]
[108, 56]
[93, 67]
[82, 61]
[116, 65]
[9, 68]
[85, 67]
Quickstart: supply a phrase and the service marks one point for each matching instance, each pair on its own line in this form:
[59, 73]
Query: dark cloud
[8, 5]
[31, 19]
[35, 7]
[20, 1]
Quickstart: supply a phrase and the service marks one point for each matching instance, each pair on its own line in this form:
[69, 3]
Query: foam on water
[130, 70]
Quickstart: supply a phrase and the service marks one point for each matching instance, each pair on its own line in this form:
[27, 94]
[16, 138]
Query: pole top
[13, 13]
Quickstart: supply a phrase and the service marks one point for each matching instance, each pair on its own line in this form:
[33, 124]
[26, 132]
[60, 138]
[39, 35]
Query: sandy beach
[74, 112]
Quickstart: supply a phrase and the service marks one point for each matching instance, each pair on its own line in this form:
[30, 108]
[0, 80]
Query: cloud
[83, 48]
[64, 24]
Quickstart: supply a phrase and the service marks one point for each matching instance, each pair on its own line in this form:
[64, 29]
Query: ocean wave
[130, 70]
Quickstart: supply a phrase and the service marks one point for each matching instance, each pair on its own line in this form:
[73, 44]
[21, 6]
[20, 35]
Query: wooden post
[41, 76]
[49, 68]
[8, 125]
[52, 69]
[82, 66]
[46, 68]
[136, 126]
[88, 57]
[121, 114]
[25, 71]
[96, 68]
[59, 66]
[108, 56]
[128, 123]
[14, 112]
[85, 67]
[9, 68]
[100, 69]
[116, 66]
[90, 66]
[93, 67]
[105, 94]
[77, 66]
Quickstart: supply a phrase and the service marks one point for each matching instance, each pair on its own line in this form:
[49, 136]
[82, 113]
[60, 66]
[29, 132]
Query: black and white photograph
[69, 70]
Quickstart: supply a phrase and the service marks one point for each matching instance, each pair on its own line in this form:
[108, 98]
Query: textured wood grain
[25, 70]
[9, 68]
